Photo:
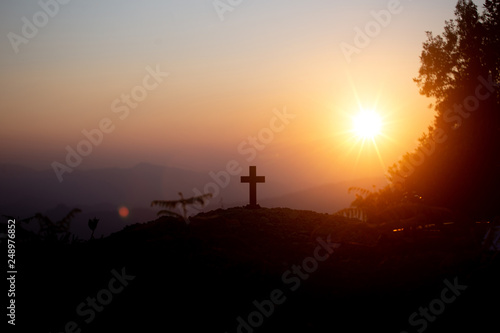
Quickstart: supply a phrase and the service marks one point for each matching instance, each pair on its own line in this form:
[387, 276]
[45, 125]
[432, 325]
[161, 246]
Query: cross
[253, 179]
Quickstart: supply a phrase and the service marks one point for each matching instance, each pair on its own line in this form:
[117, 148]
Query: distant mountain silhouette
[97, 192]
[101, 192]
[327, 198]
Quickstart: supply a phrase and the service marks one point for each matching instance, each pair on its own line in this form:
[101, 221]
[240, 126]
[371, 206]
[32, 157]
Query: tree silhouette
[172, 204]
[460, 71]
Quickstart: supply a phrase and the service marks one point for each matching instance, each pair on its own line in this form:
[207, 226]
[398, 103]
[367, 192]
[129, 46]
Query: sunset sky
[227, 81]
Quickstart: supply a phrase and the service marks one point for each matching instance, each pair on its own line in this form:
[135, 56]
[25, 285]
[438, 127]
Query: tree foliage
[457, 161]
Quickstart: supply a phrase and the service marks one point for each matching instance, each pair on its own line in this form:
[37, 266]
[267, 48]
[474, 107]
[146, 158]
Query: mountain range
[101, 192]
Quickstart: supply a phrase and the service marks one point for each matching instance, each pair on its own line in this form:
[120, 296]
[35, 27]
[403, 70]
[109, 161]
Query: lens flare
[123, 211]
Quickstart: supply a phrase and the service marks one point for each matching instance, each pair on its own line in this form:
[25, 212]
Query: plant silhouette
[460, 70]
[172, 204]
[393, 209]
[55, 231]
[21, 232]
[93, 225]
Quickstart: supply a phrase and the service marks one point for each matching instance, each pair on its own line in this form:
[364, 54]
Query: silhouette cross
[253, 179]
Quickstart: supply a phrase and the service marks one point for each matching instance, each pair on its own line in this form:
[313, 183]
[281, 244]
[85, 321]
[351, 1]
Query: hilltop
[100, 193]
[321, 271]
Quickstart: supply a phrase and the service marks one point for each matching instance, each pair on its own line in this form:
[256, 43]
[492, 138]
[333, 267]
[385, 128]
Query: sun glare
[367, 124]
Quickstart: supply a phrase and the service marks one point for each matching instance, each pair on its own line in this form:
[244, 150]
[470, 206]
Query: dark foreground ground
[264, 270]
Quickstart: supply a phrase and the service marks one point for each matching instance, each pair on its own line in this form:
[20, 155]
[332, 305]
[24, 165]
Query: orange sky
[225, 79]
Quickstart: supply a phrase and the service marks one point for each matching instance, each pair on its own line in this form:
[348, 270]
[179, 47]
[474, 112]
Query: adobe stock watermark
[420, 320]
[292, 280]
[30, 28]
[121, 107]
[372, 29]
[89, 308]
[224, 6]
[455, 118]
[249, 148]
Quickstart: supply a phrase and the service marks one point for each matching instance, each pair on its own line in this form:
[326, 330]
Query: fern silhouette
[22, 233]
[170, 205]
[55, 231]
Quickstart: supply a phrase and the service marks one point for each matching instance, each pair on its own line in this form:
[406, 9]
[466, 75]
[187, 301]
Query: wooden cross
[253, 179]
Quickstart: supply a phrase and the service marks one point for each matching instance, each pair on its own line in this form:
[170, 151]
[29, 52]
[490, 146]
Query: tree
[460, 71]
[491, 19]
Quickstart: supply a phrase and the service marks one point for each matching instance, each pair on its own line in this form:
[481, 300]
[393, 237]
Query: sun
[367, 124]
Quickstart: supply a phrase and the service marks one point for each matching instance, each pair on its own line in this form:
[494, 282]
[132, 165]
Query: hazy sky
[71, 67]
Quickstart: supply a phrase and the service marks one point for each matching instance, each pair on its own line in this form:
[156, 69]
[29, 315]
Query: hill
[262, 270]
[100, 192]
